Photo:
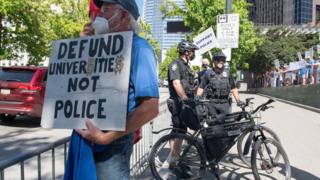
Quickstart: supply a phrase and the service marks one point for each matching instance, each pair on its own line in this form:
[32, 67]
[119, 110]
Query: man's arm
[234, 89]
[235, 94]
[179, 89]
[203, 83]
[200, 91]
[145, 112]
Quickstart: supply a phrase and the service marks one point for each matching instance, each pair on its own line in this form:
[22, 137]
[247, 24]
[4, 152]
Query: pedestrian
[113, 162]
[310, 63]
[219, 83]
[180, 78]
[204, 67]
[303, 74]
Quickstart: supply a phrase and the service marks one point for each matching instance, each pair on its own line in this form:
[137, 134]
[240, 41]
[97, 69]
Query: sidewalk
[286, 120]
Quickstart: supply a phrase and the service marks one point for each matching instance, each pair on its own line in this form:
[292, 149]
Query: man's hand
[93, 134]
[87, 30]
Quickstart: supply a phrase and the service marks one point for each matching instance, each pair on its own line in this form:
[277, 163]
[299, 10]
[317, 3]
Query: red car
[21, 91]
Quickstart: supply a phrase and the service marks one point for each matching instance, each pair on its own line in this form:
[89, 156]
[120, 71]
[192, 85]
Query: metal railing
[141, 150]
[138, 162]
[20, 159]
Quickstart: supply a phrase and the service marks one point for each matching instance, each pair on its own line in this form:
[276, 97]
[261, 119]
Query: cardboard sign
[88, 77]
[276, 63]
[307, 54]
[205, 41]
[228, 30]
[299, 56]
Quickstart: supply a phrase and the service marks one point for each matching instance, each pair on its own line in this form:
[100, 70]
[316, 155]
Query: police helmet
[219, 56]
[184, 46]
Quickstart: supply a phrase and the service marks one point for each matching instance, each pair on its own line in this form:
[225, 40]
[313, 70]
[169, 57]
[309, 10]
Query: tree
[30, 26]
[202, 14]
[145, 32]
[171, 54]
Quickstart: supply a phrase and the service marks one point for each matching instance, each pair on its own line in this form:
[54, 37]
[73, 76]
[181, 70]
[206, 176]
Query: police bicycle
[202, 150]
[245, 141]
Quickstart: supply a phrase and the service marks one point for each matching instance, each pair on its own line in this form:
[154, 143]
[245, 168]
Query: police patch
[224, 74]
[174, 67]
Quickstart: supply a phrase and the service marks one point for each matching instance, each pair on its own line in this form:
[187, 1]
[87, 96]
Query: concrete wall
[307, 95]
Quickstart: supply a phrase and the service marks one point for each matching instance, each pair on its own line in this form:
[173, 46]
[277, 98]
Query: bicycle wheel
[264, 163]
[188, 164]
[246, 159]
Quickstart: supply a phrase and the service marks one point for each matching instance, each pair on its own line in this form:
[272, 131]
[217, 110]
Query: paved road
[299, 131]
[25, 135]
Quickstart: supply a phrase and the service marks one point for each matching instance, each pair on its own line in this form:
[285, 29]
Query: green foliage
[145, 32]
[30, 26]
[202, 14]
[171, 54]
[279, 46]
[196, 68]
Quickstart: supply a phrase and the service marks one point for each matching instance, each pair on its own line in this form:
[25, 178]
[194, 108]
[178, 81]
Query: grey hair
[133, 24]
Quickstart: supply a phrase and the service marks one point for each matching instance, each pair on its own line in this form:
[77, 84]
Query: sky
[140, 5]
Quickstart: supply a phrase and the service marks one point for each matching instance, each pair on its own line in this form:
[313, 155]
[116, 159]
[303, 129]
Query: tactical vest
[187, 81]
[219, 87]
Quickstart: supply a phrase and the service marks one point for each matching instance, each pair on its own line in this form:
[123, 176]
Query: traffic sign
[228, 30]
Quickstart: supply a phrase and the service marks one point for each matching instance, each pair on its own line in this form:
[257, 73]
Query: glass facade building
[283, 12]
[303, 11]
[154, 17]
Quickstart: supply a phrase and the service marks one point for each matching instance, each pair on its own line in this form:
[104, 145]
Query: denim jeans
[115, 163]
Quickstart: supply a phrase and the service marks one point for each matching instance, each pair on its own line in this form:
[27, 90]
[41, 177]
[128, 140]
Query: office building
[303, 11]
[284, 12]
[316, 12]
[167, 31]
[271, 12]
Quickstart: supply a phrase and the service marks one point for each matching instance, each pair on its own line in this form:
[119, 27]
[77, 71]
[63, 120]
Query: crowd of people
[286, 76]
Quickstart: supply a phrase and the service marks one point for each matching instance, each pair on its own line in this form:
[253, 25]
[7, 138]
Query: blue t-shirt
[143, 80]
[310, 66]
[143, 73]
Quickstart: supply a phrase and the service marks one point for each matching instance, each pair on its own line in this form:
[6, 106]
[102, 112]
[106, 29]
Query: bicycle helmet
[219, 56]
[186, 46]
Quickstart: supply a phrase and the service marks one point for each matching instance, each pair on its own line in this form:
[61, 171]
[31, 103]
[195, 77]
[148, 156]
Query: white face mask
[102, 25]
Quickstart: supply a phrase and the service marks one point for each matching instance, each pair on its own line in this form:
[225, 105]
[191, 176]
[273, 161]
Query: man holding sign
[143, 94]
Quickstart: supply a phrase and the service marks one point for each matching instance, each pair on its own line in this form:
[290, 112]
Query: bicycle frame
[253, 127]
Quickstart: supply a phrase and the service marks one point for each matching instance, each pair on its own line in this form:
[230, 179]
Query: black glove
[240, 103]
[197, 98]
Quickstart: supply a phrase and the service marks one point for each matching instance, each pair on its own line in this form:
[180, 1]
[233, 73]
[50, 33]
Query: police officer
[218, 84]
[181, 79]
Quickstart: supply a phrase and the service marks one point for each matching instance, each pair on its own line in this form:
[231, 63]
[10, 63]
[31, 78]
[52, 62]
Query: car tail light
[29, 89]
[30, 98]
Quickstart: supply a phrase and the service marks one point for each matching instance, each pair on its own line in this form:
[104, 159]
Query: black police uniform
[179, 70]
[218, 85]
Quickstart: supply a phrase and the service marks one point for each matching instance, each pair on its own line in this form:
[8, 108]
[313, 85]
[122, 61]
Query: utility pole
[228, 6]
[228, 11]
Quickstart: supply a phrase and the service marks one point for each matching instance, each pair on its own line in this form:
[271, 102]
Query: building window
[317, 13]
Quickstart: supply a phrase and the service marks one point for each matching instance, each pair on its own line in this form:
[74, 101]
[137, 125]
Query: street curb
[317, 110]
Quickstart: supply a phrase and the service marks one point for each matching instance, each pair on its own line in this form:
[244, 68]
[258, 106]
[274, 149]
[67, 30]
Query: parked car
[22, 91]
[163, 83]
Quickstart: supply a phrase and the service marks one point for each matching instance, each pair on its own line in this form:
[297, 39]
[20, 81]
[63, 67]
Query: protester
[113, 162]
[303, 75]
[310, 63]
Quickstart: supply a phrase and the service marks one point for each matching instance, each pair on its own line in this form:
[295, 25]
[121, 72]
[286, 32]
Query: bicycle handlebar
[263, 106]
